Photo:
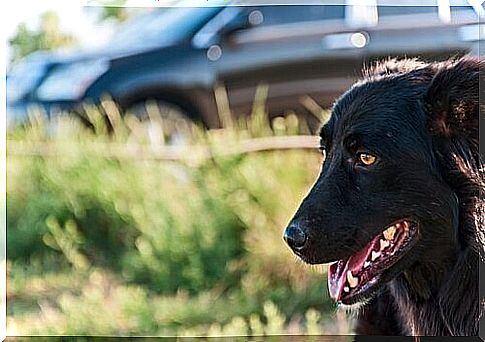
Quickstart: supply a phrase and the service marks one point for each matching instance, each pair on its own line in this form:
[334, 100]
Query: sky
[74, 18]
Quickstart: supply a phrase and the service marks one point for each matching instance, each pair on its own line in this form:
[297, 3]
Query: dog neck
[439, 302]
[441, 297]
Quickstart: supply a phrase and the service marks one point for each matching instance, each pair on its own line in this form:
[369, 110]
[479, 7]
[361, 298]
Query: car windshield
[25, 75]
[163, 25]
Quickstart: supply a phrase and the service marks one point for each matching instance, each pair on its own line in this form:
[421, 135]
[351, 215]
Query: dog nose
[294, 236]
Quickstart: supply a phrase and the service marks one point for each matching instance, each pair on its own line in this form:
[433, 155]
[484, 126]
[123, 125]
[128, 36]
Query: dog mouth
[353, 279]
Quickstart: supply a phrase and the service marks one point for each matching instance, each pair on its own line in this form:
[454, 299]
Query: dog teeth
[366, 264]
[384, 244]
[353, 281]
[389, 232]
[375, 255]
[346, 289]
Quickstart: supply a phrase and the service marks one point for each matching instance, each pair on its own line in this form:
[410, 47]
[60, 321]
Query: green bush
[157, 223]
[188, 244]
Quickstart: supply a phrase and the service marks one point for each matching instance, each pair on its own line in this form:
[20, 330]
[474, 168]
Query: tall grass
[137, 243]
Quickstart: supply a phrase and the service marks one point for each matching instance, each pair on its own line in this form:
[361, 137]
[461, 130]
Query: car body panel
[297, 51]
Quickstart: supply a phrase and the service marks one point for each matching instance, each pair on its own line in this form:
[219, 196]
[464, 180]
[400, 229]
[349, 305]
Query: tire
[157, 115]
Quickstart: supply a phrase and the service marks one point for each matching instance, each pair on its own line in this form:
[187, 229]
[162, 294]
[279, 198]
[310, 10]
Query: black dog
[397, 206]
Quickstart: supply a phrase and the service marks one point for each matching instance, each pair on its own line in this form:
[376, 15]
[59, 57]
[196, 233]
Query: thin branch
[164, 152]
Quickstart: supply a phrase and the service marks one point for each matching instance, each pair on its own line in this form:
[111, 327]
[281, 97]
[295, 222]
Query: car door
[285, 48]
[426, 32]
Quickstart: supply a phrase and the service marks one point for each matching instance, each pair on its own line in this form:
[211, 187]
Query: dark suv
[178, 56]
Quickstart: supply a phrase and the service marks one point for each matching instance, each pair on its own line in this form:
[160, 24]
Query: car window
[456, 12]
[463, 12]
[24, 76]
[163, 25]
[289, 14]
[384, 11]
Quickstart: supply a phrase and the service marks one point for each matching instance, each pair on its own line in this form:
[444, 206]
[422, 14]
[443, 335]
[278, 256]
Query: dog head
[385, 198]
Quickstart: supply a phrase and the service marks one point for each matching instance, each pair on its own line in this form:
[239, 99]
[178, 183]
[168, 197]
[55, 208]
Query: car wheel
[162, 121]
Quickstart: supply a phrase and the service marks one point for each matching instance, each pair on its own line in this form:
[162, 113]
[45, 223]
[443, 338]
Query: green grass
[107, 244]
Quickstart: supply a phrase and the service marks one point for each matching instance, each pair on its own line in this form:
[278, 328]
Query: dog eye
[366, 159]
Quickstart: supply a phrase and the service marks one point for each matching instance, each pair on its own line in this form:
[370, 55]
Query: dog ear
[452, 99]
[453, 104]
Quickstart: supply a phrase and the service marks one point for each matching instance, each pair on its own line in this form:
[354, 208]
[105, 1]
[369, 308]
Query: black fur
[421, 120]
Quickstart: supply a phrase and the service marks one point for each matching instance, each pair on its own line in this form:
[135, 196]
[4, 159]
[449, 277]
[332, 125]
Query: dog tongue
[337, 272]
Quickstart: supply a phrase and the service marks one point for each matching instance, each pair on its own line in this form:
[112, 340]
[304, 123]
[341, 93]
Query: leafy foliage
[107, 245]
[46, 37]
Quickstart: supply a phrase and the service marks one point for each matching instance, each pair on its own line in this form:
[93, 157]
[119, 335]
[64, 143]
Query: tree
[47, 37]
[111, 9]
[114, 12]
